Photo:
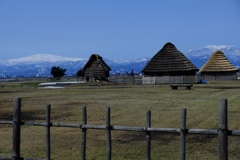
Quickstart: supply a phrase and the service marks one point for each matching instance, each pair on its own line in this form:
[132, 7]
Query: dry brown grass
[129, 104]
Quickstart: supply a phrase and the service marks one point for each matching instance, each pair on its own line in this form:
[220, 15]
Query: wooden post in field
[16, 129]
[222, 130]
[84, 132]
[108, 128]
[48, 125]
[148, 136]
[183, 132]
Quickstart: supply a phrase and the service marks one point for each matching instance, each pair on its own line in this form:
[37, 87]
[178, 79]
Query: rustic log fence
[222, 131]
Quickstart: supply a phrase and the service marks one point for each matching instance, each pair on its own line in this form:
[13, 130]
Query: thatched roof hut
[169, 61]
[169, 65]
[218, 67]
[96, 68]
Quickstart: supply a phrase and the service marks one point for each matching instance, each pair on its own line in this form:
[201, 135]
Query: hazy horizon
[212, 47]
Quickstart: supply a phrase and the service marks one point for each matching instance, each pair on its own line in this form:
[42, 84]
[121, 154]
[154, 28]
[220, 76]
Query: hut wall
[96, 72]
[165, 79]
[224, 77]
[148, 80]
[169, 79]
[219, 76]
[190, 79]
[162, 79]
[176, 79]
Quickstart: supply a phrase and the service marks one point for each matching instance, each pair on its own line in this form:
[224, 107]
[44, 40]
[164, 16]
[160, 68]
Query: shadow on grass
[165, 137]
[25, 116]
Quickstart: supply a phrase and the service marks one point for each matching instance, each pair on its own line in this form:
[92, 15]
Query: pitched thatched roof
[169, 59]
[218, 62]
[98, 58]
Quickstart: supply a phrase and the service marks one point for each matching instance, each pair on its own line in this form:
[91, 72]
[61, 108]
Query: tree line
[57, 72]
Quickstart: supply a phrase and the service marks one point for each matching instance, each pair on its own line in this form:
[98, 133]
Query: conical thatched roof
[169, 59]
[218, 62]
[98, 58]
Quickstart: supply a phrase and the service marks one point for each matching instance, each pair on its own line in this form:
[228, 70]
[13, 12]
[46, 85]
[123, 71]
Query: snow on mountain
[39, 58]
[40, 65]
[208, 50]
[139, 60]
[218, 47]
[200, 56]
[120, 61]
[125, 62]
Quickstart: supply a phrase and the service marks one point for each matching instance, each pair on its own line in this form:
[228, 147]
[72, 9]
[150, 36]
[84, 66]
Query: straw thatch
[218, 62]
[218, 68]
[96, 68]
[169, 61]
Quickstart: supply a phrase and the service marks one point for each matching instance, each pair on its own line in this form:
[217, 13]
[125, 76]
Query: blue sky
[127, 29]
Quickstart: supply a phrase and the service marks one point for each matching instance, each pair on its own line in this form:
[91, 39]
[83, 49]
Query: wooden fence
[222, 131]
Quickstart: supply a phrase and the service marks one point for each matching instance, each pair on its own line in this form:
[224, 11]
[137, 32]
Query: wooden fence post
[48, 125]
[108, 128]
[183, 133]
[84, 132]
[16, 129]
[222, 130]
[148, 136]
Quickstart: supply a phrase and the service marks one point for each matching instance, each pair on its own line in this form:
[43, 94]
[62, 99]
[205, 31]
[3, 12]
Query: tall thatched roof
[218, 62]
[98, 58]
[169, 59]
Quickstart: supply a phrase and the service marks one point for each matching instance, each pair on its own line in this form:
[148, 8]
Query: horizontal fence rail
[222, 131]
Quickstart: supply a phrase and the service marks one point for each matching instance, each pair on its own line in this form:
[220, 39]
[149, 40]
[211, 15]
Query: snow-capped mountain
[200, 56]
[40, 65]
[40, 58]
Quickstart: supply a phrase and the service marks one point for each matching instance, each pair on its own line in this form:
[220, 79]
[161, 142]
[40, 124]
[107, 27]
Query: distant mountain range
[200, 56]
[40, 65]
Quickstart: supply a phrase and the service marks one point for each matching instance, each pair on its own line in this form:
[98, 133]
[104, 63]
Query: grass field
[129, 104]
